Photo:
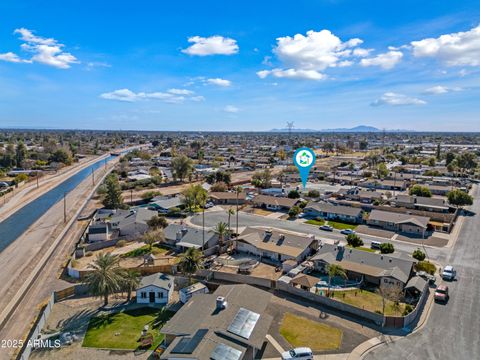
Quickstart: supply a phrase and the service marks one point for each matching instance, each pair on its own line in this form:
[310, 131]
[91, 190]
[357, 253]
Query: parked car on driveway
[301, 353]
[347, 231]
[326, 228]
[449, 273]
[441, 293]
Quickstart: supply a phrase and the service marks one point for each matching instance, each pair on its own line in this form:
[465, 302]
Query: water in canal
[15, 225]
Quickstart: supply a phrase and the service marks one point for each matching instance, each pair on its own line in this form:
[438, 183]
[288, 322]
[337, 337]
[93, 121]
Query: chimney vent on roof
[221, 303]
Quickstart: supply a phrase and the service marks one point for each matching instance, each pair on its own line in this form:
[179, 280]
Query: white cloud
[292, 74]
[181, 91]
[306, 57]
[213, 45]
[455, 49]
[45, 51]
[219, 82]
[28, 36]
[386, 61]
[439, 89]
[390, 98]
[173, 96]
[11, 57]
[231, 109]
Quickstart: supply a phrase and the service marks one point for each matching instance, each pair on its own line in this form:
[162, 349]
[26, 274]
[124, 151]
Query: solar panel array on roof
[187, 344]
[243, 323]
[225, 352]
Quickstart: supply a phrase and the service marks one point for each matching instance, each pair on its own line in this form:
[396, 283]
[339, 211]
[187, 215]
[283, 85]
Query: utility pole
[64, 207]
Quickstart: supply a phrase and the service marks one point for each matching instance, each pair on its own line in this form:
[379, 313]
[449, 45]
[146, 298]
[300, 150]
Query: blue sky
[244, 65]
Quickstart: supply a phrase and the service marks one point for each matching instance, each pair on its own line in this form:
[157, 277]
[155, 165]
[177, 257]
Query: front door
[151, 294]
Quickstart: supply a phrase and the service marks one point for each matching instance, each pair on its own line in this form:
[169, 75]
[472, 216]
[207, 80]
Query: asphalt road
[452, 330]
[212, 218]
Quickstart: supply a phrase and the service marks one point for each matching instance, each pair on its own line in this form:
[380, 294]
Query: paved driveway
[452, 330]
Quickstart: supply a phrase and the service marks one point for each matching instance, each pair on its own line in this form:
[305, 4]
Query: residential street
[214, 217]
[451, 332]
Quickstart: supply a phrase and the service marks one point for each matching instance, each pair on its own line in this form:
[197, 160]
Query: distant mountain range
[359, 128]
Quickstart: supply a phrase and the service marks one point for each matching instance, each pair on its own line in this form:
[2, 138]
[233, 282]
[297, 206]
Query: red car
[441, 293]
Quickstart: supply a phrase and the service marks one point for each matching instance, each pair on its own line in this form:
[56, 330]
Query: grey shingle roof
[159, 280]
[370, 263]
[334, 209]
[398, 218]
[201, 313]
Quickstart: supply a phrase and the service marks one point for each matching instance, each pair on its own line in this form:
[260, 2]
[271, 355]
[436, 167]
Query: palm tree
[222, 231]
[238, 190]
[201, 199]
[190, 261]
[130, 281]
[153, 236]
[333, 271]
[106, 276]
[230, 213]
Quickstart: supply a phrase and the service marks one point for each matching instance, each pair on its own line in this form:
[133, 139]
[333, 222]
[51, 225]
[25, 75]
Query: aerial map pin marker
[304, 158]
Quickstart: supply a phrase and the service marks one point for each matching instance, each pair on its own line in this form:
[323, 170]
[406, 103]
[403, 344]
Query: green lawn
[300, 331]
[157, 249]
[315, 222]
[122, 330]
[341, 226]
[362, 248]
[368, 300]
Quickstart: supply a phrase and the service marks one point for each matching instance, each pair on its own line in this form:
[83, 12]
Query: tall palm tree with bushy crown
[190, 261]
[130, 282]
[222, 230]
[333, 271]
[106, 276]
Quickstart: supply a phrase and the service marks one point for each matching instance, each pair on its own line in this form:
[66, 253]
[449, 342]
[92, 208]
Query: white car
[449, 273]
[301, 353]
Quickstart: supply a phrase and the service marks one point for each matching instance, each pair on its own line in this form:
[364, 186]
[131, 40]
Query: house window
[143, 295]
[160, 295]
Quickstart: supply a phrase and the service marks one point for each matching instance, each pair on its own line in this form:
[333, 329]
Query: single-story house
[365, 197]
[164, 204]
[440, 189]
[399, 222]
[183, 237]
[155, 289]
[188, 292]
[421, 203]
[348, 214]
[231, 323]
[131, 222]
[378, 269]
[276, 245]
[274, 203]
[397, 185]
[227, 198]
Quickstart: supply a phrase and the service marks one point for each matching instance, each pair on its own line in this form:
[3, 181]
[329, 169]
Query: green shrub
[419, 255]
[408, 309]
[387, 248]
[354, 240]
[426, 266]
